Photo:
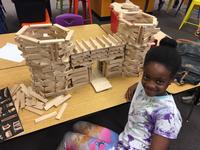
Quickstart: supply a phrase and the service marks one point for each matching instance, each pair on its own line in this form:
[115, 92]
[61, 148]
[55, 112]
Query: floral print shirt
[149, 115]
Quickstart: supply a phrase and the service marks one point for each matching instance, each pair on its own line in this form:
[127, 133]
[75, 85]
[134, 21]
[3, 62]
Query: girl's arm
[159, 143]
[130, 92]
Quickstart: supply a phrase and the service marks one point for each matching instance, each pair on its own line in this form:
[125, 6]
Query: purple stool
[69, 20]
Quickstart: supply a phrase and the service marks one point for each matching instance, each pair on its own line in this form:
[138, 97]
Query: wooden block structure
[137, 29]
[57, 64]
[46, 49]
[107, 50]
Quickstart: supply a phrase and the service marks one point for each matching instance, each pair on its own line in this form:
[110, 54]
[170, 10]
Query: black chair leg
[196, 100]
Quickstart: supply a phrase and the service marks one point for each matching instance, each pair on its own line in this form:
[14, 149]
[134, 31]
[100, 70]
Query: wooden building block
[61, 111]
[61, 27]
[65, 98]
[29, 38]
[22, 30]
[17, 104]
[41, 25]
[101, 42]
[100, 84]
[52, 102]
[39, 105]
[32, 93]
[69, 35]
[34, 110]
[47, 116]
[24, 89]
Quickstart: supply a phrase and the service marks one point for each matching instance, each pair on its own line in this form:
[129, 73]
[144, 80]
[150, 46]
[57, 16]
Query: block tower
[46, 49]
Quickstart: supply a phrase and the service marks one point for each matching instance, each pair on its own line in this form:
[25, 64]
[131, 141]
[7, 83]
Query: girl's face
[156, 78]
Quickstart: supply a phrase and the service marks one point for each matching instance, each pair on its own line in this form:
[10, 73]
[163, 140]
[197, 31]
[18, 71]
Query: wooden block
[61, 111]
[93, 43]
[41, 25]
[80, 84]
[52, 102]
[61, 27]
[34, 110]
[86, 45]
[125, 21]
[100, 84]
[39, 105]
[65, 98]
[24, 89]
[113, 39]
[29, 38]
[51, 41]
[14, 89]
[22, 100]
[69, 35]
[47, 116]
[81, 46]
[28, 101]
[19, 96]
[108, 41]
[21, 31]
[34, 94]
[101, 42]
[17, 103]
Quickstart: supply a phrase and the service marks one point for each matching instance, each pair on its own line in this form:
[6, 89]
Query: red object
[85, 5]
[47, 20]
[114, 21]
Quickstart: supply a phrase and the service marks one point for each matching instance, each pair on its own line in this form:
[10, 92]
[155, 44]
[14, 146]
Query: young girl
[153, 116]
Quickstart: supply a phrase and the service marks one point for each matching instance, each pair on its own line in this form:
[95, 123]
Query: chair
[68, 20]
[187, 16]
[85, 5]
[60, 4]
[46, 21]
[170, 5]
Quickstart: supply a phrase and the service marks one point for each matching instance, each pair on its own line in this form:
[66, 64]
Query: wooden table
[84, 100]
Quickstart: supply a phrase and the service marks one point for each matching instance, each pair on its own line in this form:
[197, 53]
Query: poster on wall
[10, 124]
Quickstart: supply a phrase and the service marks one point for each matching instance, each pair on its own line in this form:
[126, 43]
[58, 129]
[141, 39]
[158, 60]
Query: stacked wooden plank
[46, 49]
[26, 99]
[137, 29]
[80, 76]
[108, 50]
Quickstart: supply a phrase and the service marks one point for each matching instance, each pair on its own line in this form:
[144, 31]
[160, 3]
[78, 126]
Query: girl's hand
[130, 92]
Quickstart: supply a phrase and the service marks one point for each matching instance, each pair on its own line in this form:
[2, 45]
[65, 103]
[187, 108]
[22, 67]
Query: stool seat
[68, 19]
[86, 6]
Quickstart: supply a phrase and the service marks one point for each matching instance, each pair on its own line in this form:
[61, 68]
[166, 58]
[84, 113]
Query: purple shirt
[147, 116]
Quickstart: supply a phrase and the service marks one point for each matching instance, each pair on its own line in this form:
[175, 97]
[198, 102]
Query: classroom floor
[49, 138]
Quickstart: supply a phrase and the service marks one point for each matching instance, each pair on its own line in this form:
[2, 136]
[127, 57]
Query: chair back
[68, 19]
